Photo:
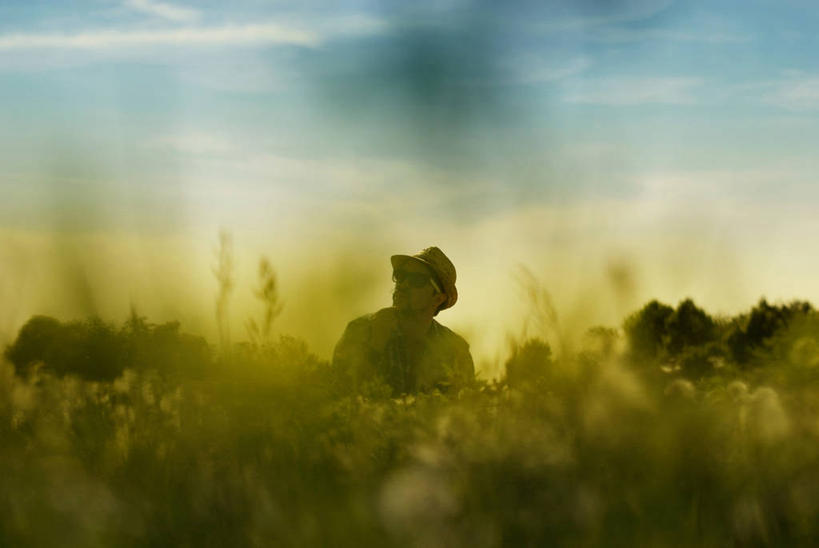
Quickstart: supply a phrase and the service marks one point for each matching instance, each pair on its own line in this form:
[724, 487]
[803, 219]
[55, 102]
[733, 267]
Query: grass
[270, 448]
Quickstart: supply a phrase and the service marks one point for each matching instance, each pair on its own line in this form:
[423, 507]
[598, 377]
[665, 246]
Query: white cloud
[773, 187]
[532, 69]
[307, 35]
[626, 12]
[623, 35]
[264, 33]
[164, 10]
[797, 93]
[352, 25]
[630, 91]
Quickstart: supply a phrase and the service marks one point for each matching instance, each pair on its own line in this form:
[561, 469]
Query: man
[403, 345]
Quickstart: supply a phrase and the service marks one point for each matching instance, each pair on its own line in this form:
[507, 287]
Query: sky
[611, 151]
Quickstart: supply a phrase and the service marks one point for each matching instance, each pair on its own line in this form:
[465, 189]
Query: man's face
[414, 291]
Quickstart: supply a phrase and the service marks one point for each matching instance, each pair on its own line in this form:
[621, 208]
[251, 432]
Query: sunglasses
[415, 279]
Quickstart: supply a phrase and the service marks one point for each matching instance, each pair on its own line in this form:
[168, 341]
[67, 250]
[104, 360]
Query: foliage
[268, 294]
[270, 447]
[95, 350]
[689, 326]
[751, 331]
[647, 330]
[687, 339]
[529, 361]
[223, 272]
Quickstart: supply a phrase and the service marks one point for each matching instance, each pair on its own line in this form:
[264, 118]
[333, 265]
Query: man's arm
[349, 354]
[464, 366]
[455, 367]
[359, 353]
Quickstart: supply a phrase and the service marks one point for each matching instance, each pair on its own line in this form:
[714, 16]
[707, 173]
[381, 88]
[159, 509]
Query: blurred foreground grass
[667, 440]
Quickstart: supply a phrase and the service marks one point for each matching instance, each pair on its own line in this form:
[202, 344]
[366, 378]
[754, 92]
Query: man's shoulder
[354, 338]
[359, 327]
[456, 348]
[450, 336]
[383, 316]
[360, 321]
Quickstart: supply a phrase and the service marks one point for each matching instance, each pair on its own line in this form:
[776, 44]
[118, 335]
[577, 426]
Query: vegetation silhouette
[750, 332]
[98, 351]
[689, 340]
[679, 428]
[223, 272]
[268, 294]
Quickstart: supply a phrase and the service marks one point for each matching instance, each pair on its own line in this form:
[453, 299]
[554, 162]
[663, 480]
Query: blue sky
[484, 88]
[392, 122]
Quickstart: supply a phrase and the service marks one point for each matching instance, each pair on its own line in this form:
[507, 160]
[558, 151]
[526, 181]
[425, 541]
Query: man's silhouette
[403, 345]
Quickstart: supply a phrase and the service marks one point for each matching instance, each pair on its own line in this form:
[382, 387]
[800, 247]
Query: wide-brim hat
[442, 268]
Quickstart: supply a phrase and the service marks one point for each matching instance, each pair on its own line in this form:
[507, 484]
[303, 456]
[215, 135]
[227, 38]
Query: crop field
[676, 429]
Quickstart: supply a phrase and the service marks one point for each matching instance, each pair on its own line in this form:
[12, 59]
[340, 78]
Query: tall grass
[679, 430]
[584, 449]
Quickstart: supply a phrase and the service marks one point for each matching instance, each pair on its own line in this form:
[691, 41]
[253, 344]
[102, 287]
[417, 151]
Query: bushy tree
[163, 347]
[750, 332]
[647, 330]
[689, 326]
[35, 343]
[696, 362]
[95, 350]
[90, 349]
[529, 361]
[686, 337]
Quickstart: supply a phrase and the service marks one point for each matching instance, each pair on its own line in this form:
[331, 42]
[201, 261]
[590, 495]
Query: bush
[529, 361]
[647, 331]
[95, 350]
[267, 447]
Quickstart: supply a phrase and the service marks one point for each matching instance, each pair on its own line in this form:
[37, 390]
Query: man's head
[424, 283]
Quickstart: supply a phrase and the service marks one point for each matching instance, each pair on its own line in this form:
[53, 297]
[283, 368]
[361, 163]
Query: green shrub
[264, 445]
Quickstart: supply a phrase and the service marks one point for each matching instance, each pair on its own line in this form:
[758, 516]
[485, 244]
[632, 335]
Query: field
[675, 429]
